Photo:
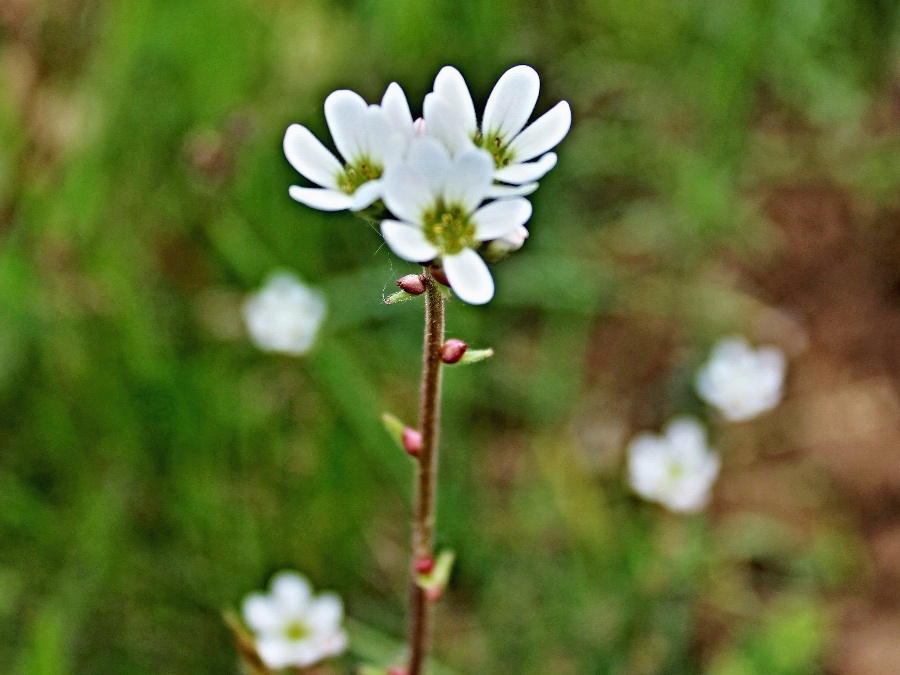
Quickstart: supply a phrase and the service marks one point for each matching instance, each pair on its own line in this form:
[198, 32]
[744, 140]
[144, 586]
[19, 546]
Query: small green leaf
[474, 356]
[394, 427]
[371, 670]
[398, 297]
[436, 580]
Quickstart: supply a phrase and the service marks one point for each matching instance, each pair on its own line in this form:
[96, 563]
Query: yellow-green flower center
[449, 229]
[356, 174]
[676, 471]
[501, 153]
[296, 631]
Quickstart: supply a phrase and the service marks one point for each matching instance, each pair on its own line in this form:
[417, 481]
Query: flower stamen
[449, 229]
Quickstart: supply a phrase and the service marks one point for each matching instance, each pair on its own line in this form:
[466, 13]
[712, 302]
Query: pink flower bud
[434, 593]
[412, 441]
[425, 565]
[453, 350]
[412, 284]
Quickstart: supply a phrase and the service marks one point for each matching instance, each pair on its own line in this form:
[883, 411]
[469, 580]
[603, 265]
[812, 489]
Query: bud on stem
[452, 350]
[425, 565]
[412, 441]
[439, 275]
[412, 284]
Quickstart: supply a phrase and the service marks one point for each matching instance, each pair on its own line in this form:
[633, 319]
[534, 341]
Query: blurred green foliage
[156, 467]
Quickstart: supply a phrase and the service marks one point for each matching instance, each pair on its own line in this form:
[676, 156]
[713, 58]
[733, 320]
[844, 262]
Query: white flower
[437, 200]
[368, 137]
[676, 469]
[291, 626]
[450, 116]
[285, 315]
[740, 382]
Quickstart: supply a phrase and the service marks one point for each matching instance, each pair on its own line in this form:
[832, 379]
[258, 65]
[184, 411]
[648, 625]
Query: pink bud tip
[434, 593]
[453, 350]
[412, 441]
[412, 284]
[425, 565]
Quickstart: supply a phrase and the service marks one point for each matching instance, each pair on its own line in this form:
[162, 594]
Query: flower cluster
[446, 188]
[291, 626]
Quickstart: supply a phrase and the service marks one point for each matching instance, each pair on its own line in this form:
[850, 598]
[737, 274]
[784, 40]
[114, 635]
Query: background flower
[742, 382]
[291, 626]
[285, 315]
[676, 469]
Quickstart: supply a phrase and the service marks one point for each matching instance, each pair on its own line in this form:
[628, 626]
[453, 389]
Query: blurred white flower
[368, 137]
[285, 315]
[676, 469]
[291, 626]
[450, 116]
[742, 382]
[437, 200]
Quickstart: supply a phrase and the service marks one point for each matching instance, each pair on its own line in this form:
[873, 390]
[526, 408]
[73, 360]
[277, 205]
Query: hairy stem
[426, 473]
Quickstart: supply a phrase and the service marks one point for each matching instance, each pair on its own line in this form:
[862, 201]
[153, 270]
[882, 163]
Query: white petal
[395, 150]
[408, 241]
[345, 113]
[498, 219]
[444, 123]
[275, 652]
[526, 173]
[366, 195]
[451, 86]
[496, 191]
[308, 156]
[291, 591]
[378, 135]
[396, 107]
[646, 465]
[261, 614]
[326, 612]
[407, 193]
[469, 277]
[335, 643]
[322, 199]
[430, 158]
[511, 102]
[543, 134]
[469, 178]
[687, 435]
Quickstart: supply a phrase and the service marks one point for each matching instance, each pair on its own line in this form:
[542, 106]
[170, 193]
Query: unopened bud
[452, 350]
[425, 565]
[439, 275]
[498, 249]
[412, 441]
[412, 284]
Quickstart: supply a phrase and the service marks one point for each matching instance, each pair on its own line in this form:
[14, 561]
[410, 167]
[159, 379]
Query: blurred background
[733, 169]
